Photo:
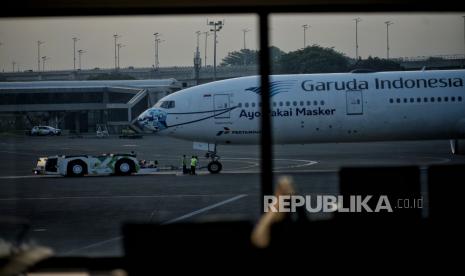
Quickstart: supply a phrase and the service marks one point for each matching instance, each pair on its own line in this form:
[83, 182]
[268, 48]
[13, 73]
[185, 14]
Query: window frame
[50, 8]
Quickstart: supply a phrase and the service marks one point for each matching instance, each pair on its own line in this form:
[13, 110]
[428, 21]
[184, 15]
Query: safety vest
[184, 161]
[194, 162]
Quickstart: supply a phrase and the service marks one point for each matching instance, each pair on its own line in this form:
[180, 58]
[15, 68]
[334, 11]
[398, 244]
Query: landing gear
[214, 166]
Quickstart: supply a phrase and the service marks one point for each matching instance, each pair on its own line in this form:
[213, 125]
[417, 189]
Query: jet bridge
[79, 106]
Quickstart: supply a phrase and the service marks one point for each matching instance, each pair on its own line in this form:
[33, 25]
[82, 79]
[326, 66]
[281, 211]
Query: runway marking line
[191, 214]
[183, 217]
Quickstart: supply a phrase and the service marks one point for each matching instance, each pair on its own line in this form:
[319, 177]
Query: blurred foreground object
[261, 233]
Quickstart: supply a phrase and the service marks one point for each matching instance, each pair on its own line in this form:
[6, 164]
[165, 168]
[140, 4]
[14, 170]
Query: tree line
[312, 59]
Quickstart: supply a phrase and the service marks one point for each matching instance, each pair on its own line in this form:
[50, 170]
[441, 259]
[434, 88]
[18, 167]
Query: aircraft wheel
[214, 167]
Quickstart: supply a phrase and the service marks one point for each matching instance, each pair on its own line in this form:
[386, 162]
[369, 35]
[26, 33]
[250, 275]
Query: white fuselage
[342, 107]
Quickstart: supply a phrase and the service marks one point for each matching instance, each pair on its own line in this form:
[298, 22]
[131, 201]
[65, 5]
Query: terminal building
[79, 106]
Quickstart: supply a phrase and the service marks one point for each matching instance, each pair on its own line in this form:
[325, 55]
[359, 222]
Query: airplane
[358, 106]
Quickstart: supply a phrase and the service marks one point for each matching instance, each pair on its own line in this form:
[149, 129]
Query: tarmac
[83, 216]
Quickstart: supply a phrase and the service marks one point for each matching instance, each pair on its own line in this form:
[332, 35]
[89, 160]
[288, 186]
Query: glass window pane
[127, 74]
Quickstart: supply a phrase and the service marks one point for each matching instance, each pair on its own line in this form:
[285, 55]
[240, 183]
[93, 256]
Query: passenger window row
[286, 103]
[426, 99]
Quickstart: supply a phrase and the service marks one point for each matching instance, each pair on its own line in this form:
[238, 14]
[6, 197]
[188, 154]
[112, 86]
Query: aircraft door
[354, 101]
[220, 103]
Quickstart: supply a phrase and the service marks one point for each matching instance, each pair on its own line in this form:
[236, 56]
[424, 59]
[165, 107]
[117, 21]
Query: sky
[410, 35]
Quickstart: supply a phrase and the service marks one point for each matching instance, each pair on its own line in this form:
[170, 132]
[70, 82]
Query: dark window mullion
[266, 145]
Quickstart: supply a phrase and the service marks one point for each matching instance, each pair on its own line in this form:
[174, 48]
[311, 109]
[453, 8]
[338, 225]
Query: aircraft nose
[152, 120]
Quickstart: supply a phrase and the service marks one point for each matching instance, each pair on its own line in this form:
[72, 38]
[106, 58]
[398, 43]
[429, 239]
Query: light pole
[44, 59]
[357, 20]
[116, 36]
[197, 59]
[216, 27]
[198, 43]
[80, 52]
[157, 43]
[245, 31]
[464, 33]
[119, 45]
[206, 41]
[1, 45]
[13, 63]
[305, 27]
[75, 39]
[245, 46]
[38, 54]
[197, 50]
[388, 23]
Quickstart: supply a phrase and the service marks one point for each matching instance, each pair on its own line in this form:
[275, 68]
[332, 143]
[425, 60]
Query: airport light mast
[197, 59]
[464, 33]
[1, 45]
[215, 27]
[44, 59]
[80, 52]
[38, 54]
[305, 27]
[116, 36]
[357, 20]
[388, 23]
[75, 39]
[157, 43]
[119, 45]
[245, 31]
[198, 40]
[206, 41]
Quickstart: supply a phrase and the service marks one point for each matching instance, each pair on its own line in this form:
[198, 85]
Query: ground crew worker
[193, 164]
[184, 164]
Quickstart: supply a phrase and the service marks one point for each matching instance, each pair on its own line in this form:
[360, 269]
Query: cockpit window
[166, 104]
